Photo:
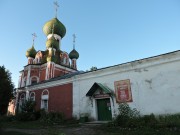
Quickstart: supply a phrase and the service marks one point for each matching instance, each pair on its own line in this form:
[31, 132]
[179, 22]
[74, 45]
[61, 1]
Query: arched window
[32, 96]
[39, 59]
[23, 84]
[34, 80]
[34, 61]
[64, 58]
[21, 100]
[44, 100]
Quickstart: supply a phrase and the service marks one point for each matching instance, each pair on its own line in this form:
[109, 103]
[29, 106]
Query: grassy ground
[22, 125]
[36, 128]
[142, 131]
[13, 133]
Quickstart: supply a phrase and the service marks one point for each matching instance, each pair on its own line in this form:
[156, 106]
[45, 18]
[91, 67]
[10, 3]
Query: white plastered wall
[155, 85]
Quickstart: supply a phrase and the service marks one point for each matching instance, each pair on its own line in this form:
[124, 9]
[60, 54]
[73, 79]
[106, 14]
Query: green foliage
[6, 89]
[130, 118]
[8, 118]
[49, 118]
[25, 117]
[126, 116]
[93, 68]
[149, 120]
[169, 121]
[28, 106]
[52, 131]
[22, 125]
[13, 133]
[28, 112]
[125, 110]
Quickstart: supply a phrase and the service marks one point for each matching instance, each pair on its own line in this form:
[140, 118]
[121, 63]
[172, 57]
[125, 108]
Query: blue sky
[108, 32]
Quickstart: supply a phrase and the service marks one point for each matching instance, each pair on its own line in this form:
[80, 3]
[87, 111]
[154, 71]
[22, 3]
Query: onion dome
[52, 43]
[31, 52]
[59, 28]
[73, 54]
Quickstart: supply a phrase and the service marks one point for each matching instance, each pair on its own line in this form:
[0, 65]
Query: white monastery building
[51, 78]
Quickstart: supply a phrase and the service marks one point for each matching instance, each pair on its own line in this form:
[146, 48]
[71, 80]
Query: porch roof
[95, 86]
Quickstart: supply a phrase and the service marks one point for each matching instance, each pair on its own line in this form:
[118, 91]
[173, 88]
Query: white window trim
[34, 77]
[23, 82]
[21, 101]
[44, 97]
[34, 98]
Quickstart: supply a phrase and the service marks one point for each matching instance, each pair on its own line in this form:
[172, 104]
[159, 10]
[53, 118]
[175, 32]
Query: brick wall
[60, 99]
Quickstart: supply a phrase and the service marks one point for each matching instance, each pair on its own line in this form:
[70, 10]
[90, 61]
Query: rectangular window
[45, 104]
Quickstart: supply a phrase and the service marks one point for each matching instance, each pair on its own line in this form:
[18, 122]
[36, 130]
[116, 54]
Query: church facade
[52, 80]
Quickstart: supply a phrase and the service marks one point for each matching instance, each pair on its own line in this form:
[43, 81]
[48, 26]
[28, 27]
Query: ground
[64, 130]
[36, 128]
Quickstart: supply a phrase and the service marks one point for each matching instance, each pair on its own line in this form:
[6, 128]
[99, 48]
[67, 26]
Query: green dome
[59, 28]
[31, 52]
[73, 54]
[52, 43]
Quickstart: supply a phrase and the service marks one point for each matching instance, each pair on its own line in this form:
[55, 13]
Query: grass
[22, 125]
[149, 125]
[13, 133]
[141, 131]
[101, 130]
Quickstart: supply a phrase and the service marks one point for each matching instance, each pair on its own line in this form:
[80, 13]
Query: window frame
[45, 98]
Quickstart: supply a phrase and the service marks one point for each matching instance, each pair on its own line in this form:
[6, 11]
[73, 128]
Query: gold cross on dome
[56, 7]
[34, 36]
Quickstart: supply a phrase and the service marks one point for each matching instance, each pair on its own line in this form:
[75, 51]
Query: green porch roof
[95, 86]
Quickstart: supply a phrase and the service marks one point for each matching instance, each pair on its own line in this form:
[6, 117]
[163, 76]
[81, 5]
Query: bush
[28, 116]
[131, 118]
[28, 112]
[149, 120]
[169, 121]
[51, 117]
[28, 106]
[7, 118]
[126, 116]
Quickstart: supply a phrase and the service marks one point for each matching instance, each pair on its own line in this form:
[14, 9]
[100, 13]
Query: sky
[109, 32]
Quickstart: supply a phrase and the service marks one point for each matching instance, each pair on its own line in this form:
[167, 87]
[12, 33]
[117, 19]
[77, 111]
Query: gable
[98, 88]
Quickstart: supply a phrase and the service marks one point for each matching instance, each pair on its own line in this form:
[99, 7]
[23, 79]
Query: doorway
[104, 109]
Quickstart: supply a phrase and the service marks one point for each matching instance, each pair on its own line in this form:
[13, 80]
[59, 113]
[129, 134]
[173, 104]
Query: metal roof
[95, 86]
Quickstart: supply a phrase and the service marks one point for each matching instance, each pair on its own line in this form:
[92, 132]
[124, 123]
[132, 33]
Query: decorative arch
[23, 96]
[23, 84]
[34, 79]
[38, 57]
[64, 58]
[22, 100]
[44, 99]
[32, 96]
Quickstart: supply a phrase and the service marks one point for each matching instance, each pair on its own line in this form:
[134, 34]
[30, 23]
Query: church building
[51, 79]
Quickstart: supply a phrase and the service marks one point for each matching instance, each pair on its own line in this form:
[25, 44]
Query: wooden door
[104, 109]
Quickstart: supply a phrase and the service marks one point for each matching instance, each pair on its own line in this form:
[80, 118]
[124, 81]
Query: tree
[6, 89]
[28, 106]
[93, 68]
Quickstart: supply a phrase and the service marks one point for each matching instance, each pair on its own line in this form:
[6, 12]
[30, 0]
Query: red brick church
[52, 80]
[45, 66]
